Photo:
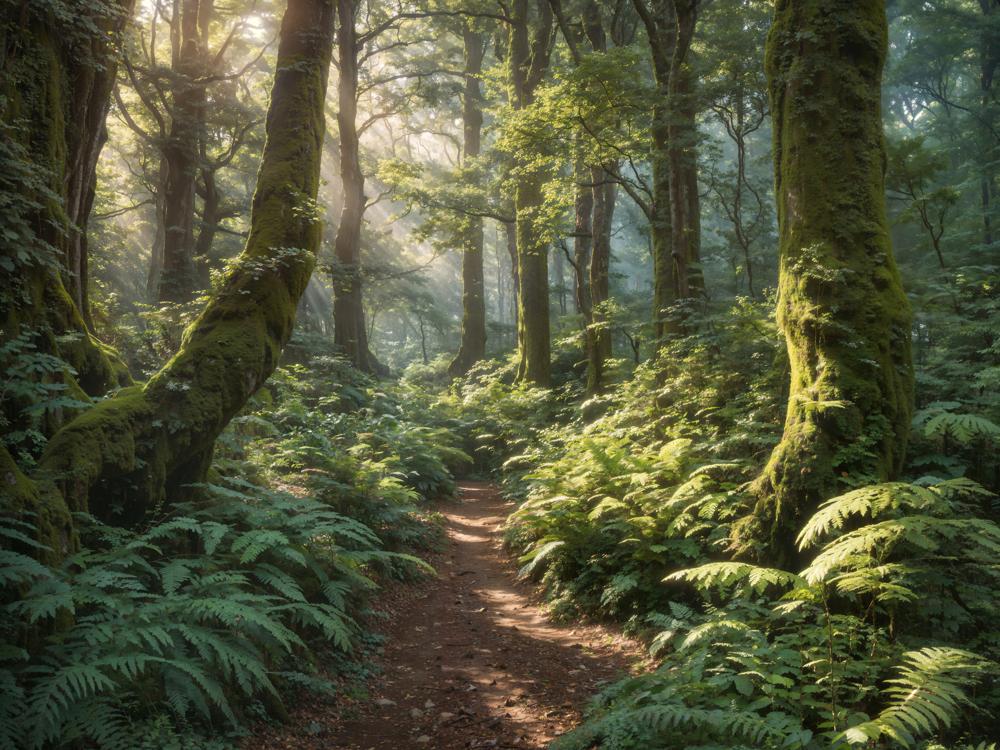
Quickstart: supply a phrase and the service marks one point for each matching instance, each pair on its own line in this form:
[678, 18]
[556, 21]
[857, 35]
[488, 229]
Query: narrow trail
[471, 661]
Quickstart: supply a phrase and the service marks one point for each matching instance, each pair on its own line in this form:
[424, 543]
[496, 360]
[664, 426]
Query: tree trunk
[136, 451]
[682, 138]
[57, 77]
[599, 334]
[528, 58]
[178, 274]
[350, 333]
[659, 19]
[841, 305]
[473, 346]
[510, 233]
[583, 241]
[989, 62]
[211, 213]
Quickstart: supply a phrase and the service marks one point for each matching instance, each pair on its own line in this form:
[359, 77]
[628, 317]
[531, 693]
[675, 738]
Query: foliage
[795, 661]
[198, 618]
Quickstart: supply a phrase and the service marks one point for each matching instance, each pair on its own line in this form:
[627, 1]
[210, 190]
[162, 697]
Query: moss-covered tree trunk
[841, 305]
[58, 65]
[528, 58]
[138, 449]
[473, 346]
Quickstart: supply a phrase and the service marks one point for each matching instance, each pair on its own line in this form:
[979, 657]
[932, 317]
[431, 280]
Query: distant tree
[196, 124]
[473, 345]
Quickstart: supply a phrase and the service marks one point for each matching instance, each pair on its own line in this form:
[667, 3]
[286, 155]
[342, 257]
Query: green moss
[141, 448]
[842, 309]
[534, 351]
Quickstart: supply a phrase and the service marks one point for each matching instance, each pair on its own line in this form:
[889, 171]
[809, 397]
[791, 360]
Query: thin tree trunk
[841, 305]
[473, 346]
[989, 62]
[583, 240]
[510, 233]
[599, 347]
[350, 333]
[528, 60]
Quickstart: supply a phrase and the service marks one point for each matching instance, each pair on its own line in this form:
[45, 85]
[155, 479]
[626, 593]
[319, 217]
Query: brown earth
[471, 660]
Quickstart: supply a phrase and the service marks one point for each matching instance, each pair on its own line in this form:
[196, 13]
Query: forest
[570, 374]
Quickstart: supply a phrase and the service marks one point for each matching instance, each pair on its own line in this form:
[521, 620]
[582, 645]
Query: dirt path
[471, 660]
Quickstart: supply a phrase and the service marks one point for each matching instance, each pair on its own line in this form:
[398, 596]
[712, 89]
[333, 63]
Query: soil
[471, 660]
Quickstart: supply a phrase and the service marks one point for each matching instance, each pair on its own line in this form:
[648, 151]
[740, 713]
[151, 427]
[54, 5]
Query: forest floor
[471, 660]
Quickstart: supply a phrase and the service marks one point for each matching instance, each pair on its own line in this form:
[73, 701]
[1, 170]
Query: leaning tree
[140, 448]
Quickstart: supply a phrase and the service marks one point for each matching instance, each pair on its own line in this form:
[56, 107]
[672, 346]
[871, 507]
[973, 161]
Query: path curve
[471, 661]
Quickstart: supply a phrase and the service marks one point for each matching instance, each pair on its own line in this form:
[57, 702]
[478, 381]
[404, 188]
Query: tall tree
[350, 332]
[184, 103]
[841, 304]
[682, 135]
[57, 72]
[989, 63]
[473, 346]
[605, 192]
[529, 48]
[675, 222]
[134, 451]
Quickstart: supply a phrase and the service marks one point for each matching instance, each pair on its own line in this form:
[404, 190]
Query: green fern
[744, 577]
[928, 695]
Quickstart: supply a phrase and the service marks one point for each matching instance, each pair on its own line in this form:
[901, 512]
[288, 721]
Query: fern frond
[928, 695]
[723, 575]
[869, 502]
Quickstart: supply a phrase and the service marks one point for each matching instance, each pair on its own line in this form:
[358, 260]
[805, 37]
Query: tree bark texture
[530, 42]
[140, 449]
[841, 306]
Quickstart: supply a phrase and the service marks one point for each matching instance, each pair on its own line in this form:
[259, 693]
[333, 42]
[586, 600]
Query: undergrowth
[886, 638]
[183, 633]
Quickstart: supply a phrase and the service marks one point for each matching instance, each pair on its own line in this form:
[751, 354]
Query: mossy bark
[58, 70]
[528, 60]
[133, 452]
[473, 346]
[841, 305]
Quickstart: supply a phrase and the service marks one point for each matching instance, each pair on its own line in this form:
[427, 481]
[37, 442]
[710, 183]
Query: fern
[743, 576]
[928, 695]
[963, 428]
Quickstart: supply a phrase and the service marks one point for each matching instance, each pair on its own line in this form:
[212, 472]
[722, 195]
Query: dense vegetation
[710, 287]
